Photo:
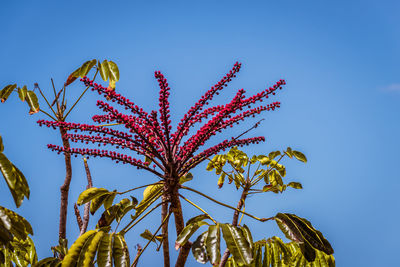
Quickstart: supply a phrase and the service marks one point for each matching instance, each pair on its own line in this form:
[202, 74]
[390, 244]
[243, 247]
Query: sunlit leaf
[295, 185]
[300, 156]
[32, 101]
[6, 92]
[90, 194]
[73, 253]
[187, 232]
[104, 70]
[22, 93]
[120, 251]
[104, 254]
[186, 178]
[237, 244]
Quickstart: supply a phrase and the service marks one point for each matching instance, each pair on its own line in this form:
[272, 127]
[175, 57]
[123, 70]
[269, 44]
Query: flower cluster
[149, 134]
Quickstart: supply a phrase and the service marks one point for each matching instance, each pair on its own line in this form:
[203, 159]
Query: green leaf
[90, 194]
[1, 144]
[199, 248]
[148, 235]
[15, 180]
[48, 262]
[104, 254]
[109, 200]
[73, 253]
[86, 67]
[150, 194]
[302, 232]
[92, 249]
[96, 202]
[289, 152]
[213, 244]
[6, 92]
[32, 101]
[187, 177]
[247, 233]
[187, 232]
[103, 69]
[274, 154]
[22, 93]
[114, 71]
[197, 219]
[295, 185]
[237, 244]
[120, 251]
[300, 156]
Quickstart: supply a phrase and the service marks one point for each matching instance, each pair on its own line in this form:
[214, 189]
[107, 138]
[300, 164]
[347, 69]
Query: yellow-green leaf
[33, 102]
[74, 251]
[22, 93]
[300, 156]
[90, 194]
[295, 185]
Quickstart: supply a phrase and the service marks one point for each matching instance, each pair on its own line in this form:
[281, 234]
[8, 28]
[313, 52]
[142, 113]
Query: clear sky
[340, 107]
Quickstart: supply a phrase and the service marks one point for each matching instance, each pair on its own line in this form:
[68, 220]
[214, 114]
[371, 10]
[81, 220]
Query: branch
[78, 217]
[87, 205]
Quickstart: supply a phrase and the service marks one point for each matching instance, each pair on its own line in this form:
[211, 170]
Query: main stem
[65, 187]
[235, 219]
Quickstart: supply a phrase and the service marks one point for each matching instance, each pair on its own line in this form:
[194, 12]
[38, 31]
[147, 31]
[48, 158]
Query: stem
[151, 239]
[226, 205]
[65, 187]
[76, 102]
[193, 204]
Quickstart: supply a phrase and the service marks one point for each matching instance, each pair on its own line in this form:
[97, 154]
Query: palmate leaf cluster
[309, 248]
[15, 244]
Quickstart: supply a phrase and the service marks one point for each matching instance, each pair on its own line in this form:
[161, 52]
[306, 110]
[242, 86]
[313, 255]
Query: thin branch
[193, 204]
[139, 250]
[142, 186]
[41, 110]
[76, 102]
[226, 205]
[78, 217]
[151, 239]
[254, 126]
[129, 226]
[40, 91]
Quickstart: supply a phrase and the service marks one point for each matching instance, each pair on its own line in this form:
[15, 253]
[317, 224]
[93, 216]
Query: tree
[171, 156]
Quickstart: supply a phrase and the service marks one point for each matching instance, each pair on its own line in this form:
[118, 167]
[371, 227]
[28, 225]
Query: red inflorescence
[151, 136]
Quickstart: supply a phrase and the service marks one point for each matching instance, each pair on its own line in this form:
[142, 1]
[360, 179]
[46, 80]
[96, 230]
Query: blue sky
[340, 107]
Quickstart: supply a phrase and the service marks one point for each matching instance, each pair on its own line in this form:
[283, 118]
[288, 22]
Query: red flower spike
[150, 134]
